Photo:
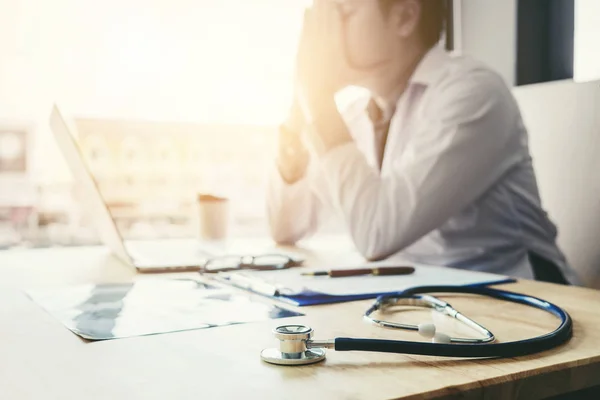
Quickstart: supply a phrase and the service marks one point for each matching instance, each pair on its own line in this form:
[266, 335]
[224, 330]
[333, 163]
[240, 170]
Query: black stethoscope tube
[511, 349]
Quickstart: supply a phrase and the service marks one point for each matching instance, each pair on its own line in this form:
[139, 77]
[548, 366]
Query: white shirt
[456, 186]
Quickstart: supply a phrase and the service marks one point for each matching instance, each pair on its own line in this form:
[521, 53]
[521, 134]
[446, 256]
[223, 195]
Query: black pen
[377, 271]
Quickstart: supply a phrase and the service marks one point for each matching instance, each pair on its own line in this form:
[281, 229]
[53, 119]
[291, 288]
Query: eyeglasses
[265, 262]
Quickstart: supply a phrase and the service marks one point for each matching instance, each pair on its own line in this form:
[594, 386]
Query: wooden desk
[40, 359]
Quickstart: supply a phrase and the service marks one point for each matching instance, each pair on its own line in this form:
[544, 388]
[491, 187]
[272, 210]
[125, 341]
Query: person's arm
[292, 208]
[466, 144]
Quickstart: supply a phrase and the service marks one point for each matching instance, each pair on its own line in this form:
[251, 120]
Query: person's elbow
[282, 232]
[284, 237]
[381, 239]
[375, 246]
[374, 257]
[375, 254]
[286, 231]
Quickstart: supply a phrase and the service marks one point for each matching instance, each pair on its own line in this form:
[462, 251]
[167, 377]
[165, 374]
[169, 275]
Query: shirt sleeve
[293, 209]
[468, 140]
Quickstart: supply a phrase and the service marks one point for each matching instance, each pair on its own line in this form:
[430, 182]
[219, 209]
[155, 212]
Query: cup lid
[210, 197]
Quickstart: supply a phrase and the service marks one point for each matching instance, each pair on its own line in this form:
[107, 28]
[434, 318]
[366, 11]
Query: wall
[182, 59]
[488, 30]
[177, 60]
[563, 119]
[587, 39]
[489, 33]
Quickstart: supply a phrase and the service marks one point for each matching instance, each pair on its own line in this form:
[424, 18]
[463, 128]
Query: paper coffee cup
[213, 217]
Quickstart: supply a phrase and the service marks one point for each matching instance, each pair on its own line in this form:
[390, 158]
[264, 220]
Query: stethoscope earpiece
[427, 330]
[441, 338]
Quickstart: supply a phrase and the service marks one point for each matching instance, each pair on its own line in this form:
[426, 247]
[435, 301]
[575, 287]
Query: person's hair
[433, 19]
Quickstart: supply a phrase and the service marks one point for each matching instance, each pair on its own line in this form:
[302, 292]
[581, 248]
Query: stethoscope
[297, 347]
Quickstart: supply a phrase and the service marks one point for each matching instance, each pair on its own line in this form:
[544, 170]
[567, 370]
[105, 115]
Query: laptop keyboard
[187, 252]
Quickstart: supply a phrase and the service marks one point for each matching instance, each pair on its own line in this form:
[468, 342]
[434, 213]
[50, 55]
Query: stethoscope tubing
[511, 349]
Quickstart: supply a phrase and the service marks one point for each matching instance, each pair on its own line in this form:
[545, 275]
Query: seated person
[432, 166]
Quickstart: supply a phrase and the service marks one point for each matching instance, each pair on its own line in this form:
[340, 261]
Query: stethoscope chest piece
[293, 349]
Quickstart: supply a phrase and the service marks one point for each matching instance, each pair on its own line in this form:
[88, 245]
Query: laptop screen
[93, 203]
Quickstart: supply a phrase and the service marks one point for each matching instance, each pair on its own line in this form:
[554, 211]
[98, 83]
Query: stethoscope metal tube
[431, 302]
[297, 346]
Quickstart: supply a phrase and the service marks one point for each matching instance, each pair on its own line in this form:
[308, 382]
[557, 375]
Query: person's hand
[322, 70]
[321, 66]
[292, 156]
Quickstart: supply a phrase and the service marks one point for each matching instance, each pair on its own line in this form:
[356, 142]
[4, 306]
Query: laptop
[147, 256]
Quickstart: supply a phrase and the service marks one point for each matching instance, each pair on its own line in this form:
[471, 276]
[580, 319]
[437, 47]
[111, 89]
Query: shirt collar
[430, 66]
[379, 112]
[427, 70]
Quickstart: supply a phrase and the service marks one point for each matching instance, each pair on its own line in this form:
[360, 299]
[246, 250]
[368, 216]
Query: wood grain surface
[40, 359]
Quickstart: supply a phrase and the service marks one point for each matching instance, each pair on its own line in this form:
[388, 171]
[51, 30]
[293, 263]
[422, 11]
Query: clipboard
[293, 288]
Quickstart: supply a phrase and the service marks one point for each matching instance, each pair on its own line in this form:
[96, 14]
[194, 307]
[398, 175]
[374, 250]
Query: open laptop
[152, 256]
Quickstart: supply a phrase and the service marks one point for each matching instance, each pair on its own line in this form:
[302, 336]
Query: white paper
[366, 284]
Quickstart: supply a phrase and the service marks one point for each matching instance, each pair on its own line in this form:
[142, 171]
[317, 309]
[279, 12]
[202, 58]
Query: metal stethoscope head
[296, 346]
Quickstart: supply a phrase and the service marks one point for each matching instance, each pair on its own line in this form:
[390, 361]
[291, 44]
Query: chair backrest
[563, 120]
